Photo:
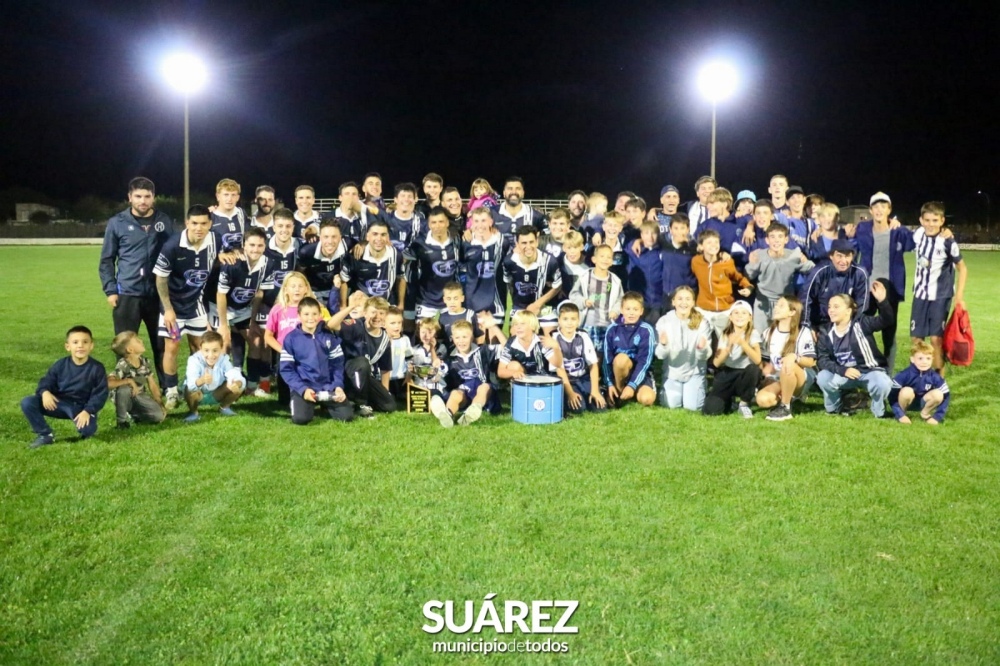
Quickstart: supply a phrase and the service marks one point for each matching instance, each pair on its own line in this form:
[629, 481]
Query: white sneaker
[440, 410]
[172, 398]
[261, 393]
[471, 415]
[745, 411]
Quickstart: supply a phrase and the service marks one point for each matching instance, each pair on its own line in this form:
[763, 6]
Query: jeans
[876, 382]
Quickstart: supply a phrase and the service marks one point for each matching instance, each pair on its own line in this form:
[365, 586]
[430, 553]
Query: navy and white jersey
[473, 366]
[435, 265]
[403, 232]
[547, 243]
[535, 358]
[773, 345]
[303, 223]
[357, 342]
[268, 230]
[240, 283]
[353, 226]
[482, 267]
[922, 383]
[528, 282]
[320, 269]
[447, 319]
[571, 273]
[578, 353]
[230, 228]
[374, 277]
[187, 268]
[507, 223]
[840, 345]
[799, 230]
[936, 257]
[282, 262]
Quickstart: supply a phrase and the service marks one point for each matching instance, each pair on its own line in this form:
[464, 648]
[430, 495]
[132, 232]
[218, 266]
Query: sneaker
[366, 412]
[855, 401]
[191, 418]
[745, 412]
[440, 410]
[779, 413]
[226, 411]
[259, 392]
[471, 415]
[171, 399]
[42, 440]
[264, 385]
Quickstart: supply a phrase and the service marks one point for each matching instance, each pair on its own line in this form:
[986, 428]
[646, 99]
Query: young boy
[582, 376]
[402, 352]
[934, 283]
[775, 271]
[525, 353]
[134, 388]
[720, 202]
[75, 387]
[827, 231]
[368, 353]
[754, 232]
[312, 365]
[182, 270]
[645, 270]
[211, 379]
[612, 236]
[716, 277]
[676, 253]
[323, 262]
[435, 257]
[598, 296]
[919, 385]
[572, 264]
[427, 368]
[628, 355]
[454, 311]
[468, 381]
[559, 226]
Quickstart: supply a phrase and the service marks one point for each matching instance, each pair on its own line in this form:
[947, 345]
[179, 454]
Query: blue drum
[537, 400]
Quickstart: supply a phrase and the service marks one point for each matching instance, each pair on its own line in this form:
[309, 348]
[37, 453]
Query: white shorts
[238, 318]
[424, 311]
[196, 326]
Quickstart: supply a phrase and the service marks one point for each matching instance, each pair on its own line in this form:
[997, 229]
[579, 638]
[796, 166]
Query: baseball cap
[669, 188]
[842, 246]
[742, 304]
[794, 189]
[879, 196]
[746, 194]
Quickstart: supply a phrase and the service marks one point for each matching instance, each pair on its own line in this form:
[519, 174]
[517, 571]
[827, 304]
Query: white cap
[879, 196]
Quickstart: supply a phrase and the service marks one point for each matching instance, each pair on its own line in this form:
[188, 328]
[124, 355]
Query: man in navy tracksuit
[840, 276]
[132, 241]
[312, 365]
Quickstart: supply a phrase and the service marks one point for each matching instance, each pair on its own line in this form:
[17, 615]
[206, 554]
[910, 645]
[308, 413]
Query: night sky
[845, 100]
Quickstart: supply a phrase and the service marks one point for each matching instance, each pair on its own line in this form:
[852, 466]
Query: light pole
[984, 194]
[717, 81]
[185, 73]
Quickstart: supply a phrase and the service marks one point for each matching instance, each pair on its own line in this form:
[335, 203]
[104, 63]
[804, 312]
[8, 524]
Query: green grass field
[686, 540]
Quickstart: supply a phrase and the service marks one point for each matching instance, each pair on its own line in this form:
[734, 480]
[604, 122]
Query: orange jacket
[715, 283]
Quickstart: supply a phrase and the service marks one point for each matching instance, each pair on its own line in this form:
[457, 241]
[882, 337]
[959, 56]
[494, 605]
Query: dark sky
[846, 99]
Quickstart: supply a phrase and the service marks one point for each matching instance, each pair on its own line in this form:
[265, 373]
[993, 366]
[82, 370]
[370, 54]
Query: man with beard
[577, 207]
[264, 217]
[513, 214]
[132, 242]
[451, 200]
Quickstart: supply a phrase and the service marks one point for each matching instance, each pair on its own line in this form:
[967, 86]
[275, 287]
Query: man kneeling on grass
[211, 378]
[312, 365]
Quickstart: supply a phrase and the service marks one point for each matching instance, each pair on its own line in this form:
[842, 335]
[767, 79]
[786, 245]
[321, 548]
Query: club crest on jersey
[526, 288]
[485, 269]
[636, 339]
[242, 294]
[232, 240]
[195, 278]
[574, 365]
[444, 268]
[377, 287]
[159, 226]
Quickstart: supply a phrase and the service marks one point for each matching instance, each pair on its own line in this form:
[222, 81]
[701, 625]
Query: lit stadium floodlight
[187, 74]
[717, 80]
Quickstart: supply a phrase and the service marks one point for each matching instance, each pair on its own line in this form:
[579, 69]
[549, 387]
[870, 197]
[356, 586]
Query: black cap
[794, 189]
[842, 246]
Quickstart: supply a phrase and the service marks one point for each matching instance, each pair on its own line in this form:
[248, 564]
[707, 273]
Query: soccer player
[435, 258]
[133, 239]
[576, 205]
[264, 217]
[482, 257]
[368, 351]
[582, 374]
[352, 215]
[307, 218]
[282, 257]
[628, 355]
[451, 200]
[371, 187]
[454, 312]
[182, 269]
[228, 220]
[533, 277]
[513, 213]
[432, 184]
[526, 354]
[800, 228]
[777, 188]
[238, 299]
[468, 379]
[934, 282]
[378, 271]
[323, 262]
[697, 211]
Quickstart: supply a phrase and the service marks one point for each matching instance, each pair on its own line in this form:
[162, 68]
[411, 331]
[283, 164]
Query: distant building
[854, 214]
[24, 211]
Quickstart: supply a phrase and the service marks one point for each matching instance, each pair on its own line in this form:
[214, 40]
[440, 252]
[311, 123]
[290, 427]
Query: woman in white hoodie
[684, 346]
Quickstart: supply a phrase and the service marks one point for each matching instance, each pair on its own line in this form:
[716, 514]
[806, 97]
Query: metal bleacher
[544, 205]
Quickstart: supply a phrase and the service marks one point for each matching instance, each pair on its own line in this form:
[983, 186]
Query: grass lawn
[685, 539]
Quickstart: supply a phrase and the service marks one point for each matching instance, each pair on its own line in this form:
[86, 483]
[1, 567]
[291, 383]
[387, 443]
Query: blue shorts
[582, 386]
[927, 318]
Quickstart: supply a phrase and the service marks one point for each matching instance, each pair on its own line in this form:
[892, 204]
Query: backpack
[958, 344]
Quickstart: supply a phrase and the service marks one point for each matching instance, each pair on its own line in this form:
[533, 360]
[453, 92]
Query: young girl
[133, 384]
[790, 360]
[847, 353]
[683, 345]
[284, 317]
[737, 360]
[482, 195]
[525, 353]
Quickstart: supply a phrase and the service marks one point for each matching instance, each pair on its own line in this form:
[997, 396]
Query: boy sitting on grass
[75, 387]
[920, 386]
[211, 379]
[468, 379]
